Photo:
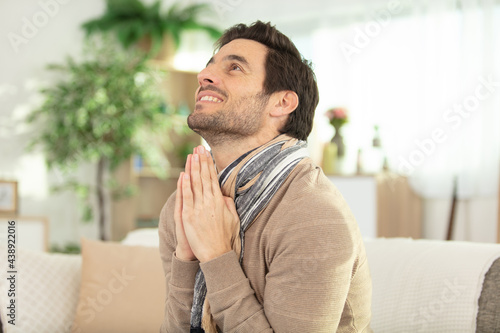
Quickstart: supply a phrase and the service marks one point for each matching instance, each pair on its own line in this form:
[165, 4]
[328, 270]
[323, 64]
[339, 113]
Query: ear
[286, 102]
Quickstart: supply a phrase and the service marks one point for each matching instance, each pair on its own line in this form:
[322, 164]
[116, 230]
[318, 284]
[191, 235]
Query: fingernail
[196, 157]
[208, 153]
[201, 150]
[186, 176]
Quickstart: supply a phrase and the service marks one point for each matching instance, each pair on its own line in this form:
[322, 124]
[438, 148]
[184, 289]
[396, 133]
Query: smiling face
[230, 103]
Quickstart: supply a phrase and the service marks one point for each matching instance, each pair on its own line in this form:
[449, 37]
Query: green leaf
[87, 213]
[212, 31]
[131, 20]
[156, 42]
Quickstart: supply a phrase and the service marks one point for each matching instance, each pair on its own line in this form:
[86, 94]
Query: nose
[207, 76]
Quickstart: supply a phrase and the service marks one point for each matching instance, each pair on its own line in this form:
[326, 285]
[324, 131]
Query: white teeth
[210, 98]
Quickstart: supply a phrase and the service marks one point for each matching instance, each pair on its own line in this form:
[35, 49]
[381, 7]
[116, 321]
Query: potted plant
[94, 113]
[136, 23]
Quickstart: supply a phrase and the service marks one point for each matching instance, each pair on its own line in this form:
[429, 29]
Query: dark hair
[285, 70]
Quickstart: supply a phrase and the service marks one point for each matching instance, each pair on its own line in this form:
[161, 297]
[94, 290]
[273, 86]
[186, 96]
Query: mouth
[209, 98]
[209, 95]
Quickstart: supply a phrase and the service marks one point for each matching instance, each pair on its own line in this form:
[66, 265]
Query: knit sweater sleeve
[310, 256]
[179, 276]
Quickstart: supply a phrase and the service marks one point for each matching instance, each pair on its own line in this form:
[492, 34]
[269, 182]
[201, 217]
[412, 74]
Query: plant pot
[164, 54]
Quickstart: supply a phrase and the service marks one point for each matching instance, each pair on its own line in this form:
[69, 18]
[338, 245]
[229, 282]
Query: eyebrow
[236, 57]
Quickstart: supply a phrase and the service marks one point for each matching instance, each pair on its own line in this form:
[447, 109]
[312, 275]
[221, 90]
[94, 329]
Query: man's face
[230, 103]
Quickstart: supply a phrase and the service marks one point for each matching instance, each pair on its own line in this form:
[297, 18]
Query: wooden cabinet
[399, 208]
[384, 205]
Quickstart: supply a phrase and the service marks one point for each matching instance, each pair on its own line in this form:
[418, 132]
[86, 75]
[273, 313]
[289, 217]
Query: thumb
[230, 205]
[235, 239]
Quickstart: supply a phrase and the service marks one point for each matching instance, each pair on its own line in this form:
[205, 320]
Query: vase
[338, 139]
[329, 163]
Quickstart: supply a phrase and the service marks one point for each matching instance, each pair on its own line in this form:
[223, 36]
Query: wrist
[183, 255]
[213, 255]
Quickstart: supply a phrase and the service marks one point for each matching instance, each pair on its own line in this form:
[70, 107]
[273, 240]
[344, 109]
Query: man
[261, 241]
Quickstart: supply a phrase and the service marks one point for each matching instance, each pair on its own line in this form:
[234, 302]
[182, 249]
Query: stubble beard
[229, 125]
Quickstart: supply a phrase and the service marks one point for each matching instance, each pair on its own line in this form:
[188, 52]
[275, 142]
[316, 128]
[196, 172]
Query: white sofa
[418, 286]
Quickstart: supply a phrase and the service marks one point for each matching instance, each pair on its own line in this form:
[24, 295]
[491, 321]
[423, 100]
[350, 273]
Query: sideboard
[384, 204]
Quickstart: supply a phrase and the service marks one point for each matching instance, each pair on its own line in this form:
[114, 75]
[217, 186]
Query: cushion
[47, 292]
[122, 289]
[488, 317]
[142, 236]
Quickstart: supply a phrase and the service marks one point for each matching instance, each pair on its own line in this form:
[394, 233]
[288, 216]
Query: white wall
[475, 219]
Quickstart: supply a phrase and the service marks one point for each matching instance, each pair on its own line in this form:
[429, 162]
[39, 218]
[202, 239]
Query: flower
[337, 117]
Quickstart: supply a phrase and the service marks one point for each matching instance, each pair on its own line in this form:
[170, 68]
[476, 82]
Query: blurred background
[408, 123]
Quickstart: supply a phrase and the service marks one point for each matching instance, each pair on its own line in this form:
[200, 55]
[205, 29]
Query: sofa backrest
[428, 285]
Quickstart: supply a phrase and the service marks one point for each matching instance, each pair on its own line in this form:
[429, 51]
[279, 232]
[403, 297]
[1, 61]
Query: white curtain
[428, 74]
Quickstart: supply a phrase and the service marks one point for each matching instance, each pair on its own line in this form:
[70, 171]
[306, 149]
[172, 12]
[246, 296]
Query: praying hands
[205, 220]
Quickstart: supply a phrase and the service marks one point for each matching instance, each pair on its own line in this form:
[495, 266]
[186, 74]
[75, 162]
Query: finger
[205, 173]
[196, 185]
[187, 196]
[213, 175]
[235, 221]
[187, 168]
[178, 200]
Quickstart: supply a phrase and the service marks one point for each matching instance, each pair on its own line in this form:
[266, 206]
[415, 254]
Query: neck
[226, 152]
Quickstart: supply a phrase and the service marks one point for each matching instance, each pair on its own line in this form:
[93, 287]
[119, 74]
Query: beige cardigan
[304, 269]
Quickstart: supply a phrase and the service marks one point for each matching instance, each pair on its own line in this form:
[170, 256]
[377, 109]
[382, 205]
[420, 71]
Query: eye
[235, 67]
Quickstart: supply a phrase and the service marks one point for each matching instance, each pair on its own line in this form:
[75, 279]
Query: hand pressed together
[205, 219]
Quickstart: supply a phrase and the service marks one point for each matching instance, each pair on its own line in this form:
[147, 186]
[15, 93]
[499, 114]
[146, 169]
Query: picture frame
[31, 232]
[8, 196]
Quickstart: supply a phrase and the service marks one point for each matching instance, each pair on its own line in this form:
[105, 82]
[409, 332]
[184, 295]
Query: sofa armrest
[488, 317]
[428, 285]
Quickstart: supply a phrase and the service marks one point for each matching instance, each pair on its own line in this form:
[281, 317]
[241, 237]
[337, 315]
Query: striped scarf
[251, 180]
